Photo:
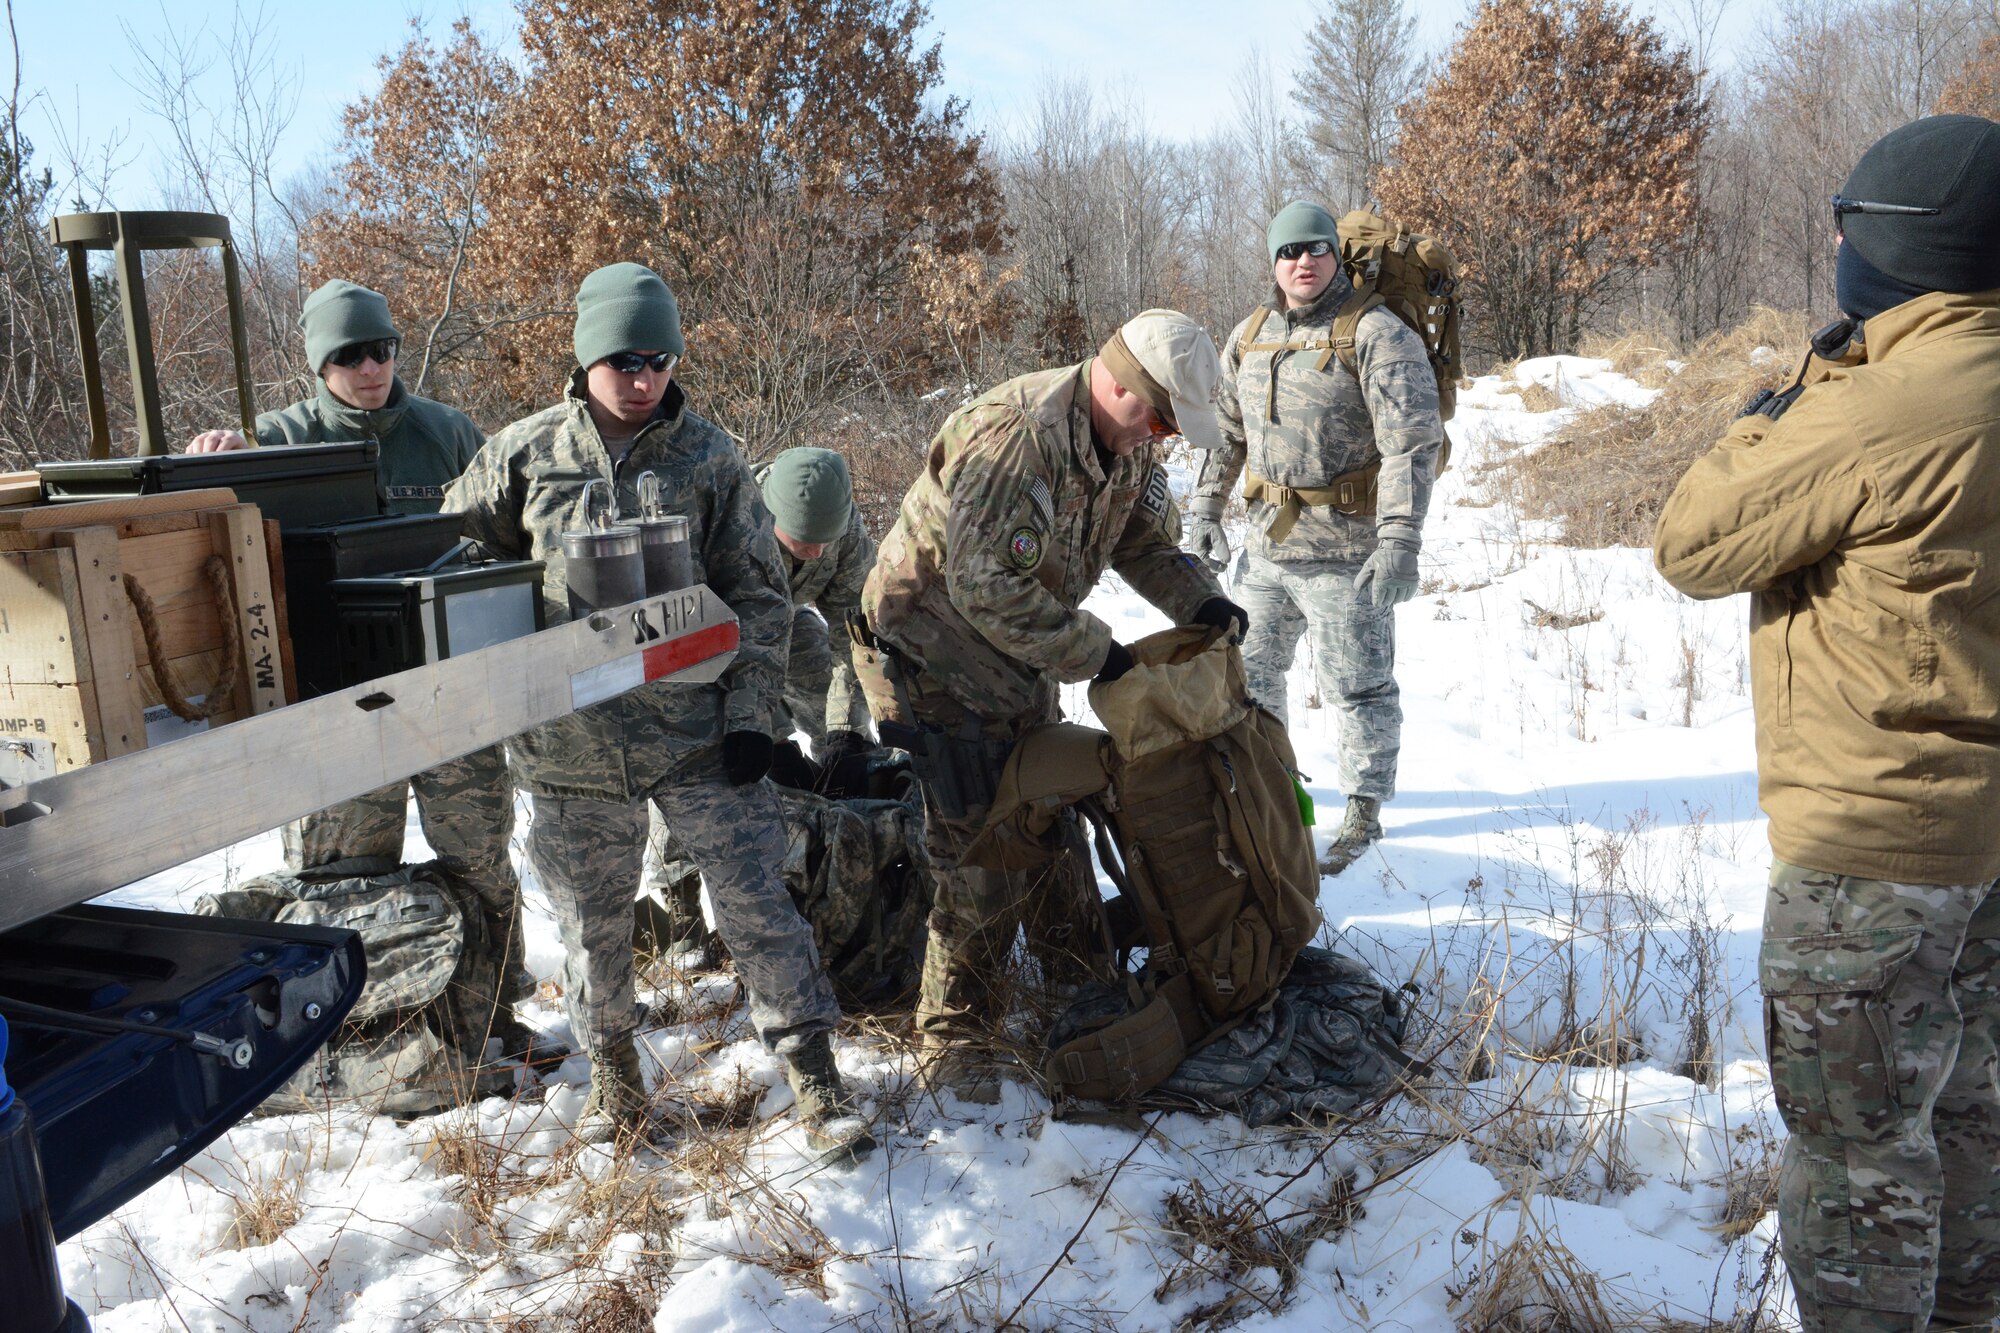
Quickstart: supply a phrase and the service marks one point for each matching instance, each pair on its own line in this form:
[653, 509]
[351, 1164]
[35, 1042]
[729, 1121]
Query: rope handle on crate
[221, 694]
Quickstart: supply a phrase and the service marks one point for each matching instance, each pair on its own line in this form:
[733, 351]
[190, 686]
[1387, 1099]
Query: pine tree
[1361, 64]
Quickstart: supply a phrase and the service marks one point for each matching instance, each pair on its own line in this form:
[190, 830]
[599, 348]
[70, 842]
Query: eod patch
[1024, 548]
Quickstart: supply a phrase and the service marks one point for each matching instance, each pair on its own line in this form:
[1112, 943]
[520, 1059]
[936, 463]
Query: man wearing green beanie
[698, 754]
[1337, 467]
[828, 553]
[351, 344]
[467, 805]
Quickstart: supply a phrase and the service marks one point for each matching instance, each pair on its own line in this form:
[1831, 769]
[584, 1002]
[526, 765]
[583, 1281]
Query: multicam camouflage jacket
[831, 582]
[525, 489]
[1005, 533]
[425, 445]
[1317, 423]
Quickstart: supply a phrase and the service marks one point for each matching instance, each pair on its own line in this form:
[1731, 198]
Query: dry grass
[1608, 471]
[1538, 397]
[1532, 1283]
[264, 1211]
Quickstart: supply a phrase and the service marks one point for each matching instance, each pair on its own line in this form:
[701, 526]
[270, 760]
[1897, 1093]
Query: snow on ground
[1572, 879]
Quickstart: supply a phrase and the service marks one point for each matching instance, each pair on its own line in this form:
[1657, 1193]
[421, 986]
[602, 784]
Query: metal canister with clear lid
[604, 564]
[664, 539]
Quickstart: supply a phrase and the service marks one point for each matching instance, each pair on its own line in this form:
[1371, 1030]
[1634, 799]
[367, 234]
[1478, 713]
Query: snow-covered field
[1572, 875]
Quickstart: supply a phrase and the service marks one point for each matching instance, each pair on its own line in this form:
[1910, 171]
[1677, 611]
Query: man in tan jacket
[1861, 509]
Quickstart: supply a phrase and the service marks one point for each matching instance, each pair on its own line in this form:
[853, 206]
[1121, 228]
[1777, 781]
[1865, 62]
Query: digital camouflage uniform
[467, 805]
[820, 691]
[819, 686]
[590, 772]
[976, 593]
[1861, 522]
[1321, 423]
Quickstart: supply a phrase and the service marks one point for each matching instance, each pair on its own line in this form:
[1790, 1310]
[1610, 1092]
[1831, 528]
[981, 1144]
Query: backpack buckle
[1346, 493]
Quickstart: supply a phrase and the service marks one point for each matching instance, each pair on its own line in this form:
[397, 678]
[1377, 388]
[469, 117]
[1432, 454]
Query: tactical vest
[1292, 485]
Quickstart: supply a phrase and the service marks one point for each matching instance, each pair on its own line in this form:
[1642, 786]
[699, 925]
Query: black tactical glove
[746, 756]
[1117, 662]
[791, 768]
[1223, 614]
[839, 745]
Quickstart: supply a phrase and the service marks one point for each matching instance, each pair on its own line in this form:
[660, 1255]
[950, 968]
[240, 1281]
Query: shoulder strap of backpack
[1251, 330]
[1347, 327]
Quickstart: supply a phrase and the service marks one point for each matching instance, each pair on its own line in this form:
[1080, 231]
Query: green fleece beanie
[809, 494]
[625, 308]
[1300, 221]
[340, 313]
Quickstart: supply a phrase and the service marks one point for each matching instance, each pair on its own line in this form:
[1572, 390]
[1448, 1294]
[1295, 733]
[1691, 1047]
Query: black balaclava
[1865, 291]
[1948, 163]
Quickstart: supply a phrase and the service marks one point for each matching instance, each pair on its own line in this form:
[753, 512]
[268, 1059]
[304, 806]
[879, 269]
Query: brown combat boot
[832, 1124]
[1359, 829]
[617, 1105]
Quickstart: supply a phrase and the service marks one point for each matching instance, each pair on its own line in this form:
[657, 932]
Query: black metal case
[316, 557]
[296, 484]
[394, 623]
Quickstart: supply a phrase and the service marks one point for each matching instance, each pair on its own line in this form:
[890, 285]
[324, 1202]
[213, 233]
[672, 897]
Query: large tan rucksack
[1194, 784]
[1413, 276]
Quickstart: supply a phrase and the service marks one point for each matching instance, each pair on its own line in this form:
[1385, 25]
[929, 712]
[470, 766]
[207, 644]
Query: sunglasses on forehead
[1294, 249]
[379, 350]
[1842, 206]
[631, 363]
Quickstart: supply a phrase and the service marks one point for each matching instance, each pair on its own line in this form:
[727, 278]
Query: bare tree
[1914, 47]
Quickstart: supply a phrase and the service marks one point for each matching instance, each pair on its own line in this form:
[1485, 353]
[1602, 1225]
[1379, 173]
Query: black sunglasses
[1842, 206]
[1294, 249]
[631, 363]
[379, 350]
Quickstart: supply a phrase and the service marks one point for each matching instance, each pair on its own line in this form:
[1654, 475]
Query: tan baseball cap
[1176, 367]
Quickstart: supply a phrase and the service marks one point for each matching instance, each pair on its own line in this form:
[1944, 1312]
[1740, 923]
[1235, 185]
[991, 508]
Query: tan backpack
[1413, 276]
[1194, 784]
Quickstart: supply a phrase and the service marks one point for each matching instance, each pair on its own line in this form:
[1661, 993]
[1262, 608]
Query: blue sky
[1175, 60]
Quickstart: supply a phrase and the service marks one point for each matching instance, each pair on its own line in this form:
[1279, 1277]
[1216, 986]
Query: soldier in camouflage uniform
[1333, 547]
[828, 552]
[698, 753]
[1856, 507]
[1028, 494]
[467, 805]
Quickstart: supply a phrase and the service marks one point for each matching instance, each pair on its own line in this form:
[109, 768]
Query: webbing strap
[1351, 493]
[1123, 1059]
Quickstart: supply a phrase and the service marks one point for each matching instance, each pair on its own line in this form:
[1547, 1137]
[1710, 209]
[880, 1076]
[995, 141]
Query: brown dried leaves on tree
[1555, 154]
[779, 166]
[1975, 91]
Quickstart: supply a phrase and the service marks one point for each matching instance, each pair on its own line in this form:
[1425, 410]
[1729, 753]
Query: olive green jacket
[1865, 522]
[425, 445]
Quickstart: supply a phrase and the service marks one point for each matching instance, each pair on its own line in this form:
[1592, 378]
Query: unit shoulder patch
[1158, 495]
[1024, 548]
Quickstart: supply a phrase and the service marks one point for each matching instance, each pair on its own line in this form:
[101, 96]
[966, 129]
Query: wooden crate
[77, 682]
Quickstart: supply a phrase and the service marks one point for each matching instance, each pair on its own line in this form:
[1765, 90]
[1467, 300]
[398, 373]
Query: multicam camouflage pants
[808, 675]
[977, 912]
[1882, 1013]
[1353, 647]
[467, 809]
[587, 856]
